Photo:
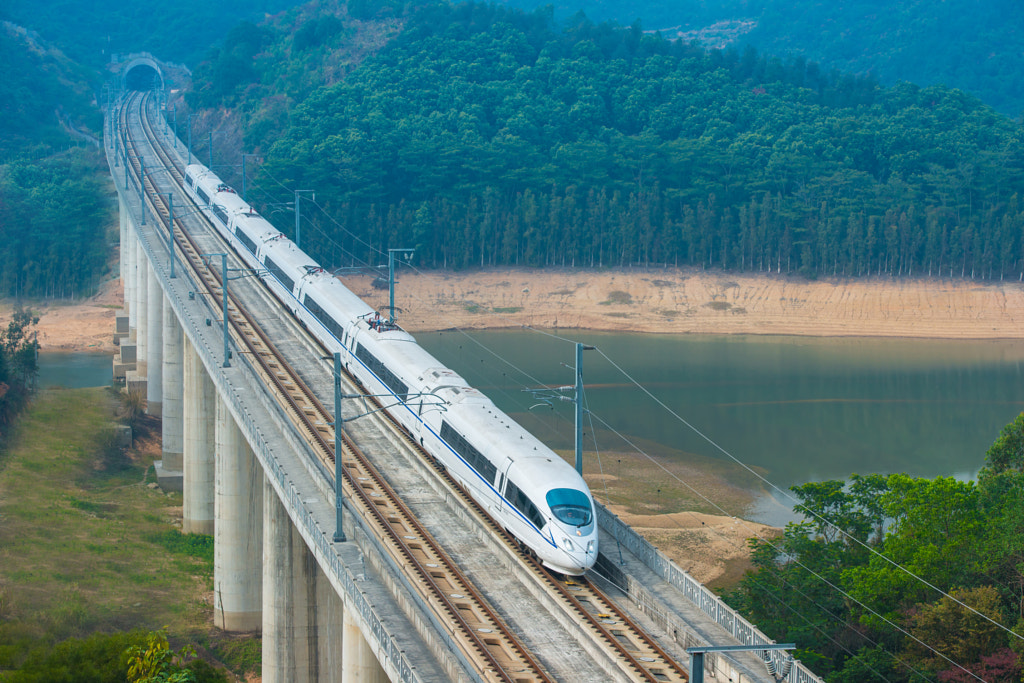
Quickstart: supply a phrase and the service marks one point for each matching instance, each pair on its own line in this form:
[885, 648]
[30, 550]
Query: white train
[535, 494]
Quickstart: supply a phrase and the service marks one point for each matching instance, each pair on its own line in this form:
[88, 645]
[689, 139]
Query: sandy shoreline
[696, 302]
[662, 301]
[711, 546]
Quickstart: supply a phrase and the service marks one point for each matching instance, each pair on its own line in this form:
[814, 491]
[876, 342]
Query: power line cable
[714, 444]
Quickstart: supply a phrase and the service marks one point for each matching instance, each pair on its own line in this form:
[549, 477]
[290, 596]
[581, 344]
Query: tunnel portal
[142, 74]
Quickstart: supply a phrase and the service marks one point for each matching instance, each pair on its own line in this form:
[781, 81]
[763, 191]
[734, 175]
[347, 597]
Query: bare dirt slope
[78, 326]
[698, 302]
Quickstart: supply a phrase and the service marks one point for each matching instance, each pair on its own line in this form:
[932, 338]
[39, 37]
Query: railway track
[482, 635]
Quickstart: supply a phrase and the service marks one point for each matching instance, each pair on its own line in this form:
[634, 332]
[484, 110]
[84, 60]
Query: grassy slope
[85, 544]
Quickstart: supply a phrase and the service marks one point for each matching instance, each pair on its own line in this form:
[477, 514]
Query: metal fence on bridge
[709, 603]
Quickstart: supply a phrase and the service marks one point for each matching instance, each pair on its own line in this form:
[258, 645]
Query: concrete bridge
[342, 611]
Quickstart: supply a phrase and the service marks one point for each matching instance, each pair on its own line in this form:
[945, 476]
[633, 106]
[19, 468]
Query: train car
[536, 495]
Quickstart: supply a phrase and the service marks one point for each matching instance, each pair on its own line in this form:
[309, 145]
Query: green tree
[1007, 452]
[18, 366]
[935, 532]
[947, 631]
[157, 663]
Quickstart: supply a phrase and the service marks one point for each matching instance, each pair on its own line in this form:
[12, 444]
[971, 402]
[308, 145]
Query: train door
[500, 483]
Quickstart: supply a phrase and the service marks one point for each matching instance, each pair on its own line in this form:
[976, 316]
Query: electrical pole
[116, 126]
[298, 233]
[580, 348]
[697, 657]
[170, 232]
[142, 188]
[224, 276]
[339, 530]
[391, 281]
[243, 175]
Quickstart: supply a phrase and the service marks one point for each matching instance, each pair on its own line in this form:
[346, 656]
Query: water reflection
[802, 409]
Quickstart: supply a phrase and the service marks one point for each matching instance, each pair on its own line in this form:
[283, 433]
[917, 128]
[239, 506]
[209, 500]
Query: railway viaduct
[353, 610]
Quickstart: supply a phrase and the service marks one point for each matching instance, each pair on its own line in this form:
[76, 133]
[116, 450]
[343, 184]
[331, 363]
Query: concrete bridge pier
[137, 269]
[199, 437]
[125, 332]
[359, 663]
[330, 630]
[169, 470]
[154, 343]
[136, 380]
[127, 262]
[289, 597]
[238, 531]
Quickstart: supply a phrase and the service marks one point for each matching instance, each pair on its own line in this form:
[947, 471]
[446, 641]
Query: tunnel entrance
[142, 77]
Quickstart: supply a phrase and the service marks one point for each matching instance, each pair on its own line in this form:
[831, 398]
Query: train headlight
[590, 547]
[568, 544]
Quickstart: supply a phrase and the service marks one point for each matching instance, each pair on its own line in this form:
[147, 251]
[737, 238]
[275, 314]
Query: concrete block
[122, 436]
[169, 480]
[120, 370]
[133, 383]
[128, 353]
[121, 326]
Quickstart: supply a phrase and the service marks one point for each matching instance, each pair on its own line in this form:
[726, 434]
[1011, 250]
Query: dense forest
[89, 32]
[483, 136]
[972, 46]
[859, 592]
[54, 206]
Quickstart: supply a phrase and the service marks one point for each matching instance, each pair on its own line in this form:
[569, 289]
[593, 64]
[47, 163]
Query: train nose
[581, 553]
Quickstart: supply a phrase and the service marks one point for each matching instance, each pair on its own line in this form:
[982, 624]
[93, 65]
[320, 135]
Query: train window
[188, 181]
[218, 211]
[520, 501]
[385, 375]
[202, 195]
[244, 239]
[320, 314]
[470, 454]
[570, 506]
[277, 272]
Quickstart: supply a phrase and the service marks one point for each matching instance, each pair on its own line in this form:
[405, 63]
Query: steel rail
[639, 655]
[481, 633]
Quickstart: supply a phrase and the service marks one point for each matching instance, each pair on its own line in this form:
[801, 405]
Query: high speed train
[529, 489]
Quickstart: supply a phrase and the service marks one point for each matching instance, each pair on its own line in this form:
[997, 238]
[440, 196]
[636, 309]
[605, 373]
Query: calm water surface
[74, 370]
[802, 409]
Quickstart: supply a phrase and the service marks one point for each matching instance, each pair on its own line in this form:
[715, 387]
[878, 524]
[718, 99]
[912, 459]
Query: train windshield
[570, 506]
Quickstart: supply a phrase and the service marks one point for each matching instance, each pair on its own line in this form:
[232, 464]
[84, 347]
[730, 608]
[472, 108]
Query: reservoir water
[74, 370]
[799, 409]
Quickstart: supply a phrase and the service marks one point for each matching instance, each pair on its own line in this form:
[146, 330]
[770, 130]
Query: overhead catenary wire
[769, 542]
[754, 532]
[682, 420]
[814, 514]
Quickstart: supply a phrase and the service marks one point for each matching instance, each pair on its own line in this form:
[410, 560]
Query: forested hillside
[53, 205]
[483, 136]
[977, 47]
[90, 32]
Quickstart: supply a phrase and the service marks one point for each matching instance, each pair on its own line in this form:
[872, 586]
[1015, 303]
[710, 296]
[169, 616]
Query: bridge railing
[709, 603]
